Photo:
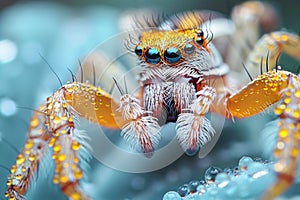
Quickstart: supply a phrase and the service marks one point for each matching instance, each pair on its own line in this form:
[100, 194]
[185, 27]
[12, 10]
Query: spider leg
[193, 129]
[141, 129]
[262, 58]
[269, 87]
[259, 94]
[267, 50]
[29, 158]
[53, 125]
[94, 104]
[65, 144]
[287, 147]
[250, 18]
[265, 53]
[265, 90]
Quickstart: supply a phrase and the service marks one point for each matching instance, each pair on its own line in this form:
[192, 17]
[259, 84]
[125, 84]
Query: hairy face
[169, 54]
[169, 47]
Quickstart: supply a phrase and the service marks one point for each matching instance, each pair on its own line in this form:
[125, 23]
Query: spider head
[170, 47]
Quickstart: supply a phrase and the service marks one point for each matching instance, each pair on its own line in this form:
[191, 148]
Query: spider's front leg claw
[141, 129]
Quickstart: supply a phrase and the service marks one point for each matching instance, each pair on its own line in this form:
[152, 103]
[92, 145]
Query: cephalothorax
[182, 78]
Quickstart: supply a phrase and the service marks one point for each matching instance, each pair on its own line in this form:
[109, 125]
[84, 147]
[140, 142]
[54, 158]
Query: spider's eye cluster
[200, 37]
[170, 55]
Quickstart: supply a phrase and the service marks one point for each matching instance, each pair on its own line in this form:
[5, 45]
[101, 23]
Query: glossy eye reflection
[172, 55]
[189, 49]
[200, 41]
[200, 36]
[152, 56]
[138, 50]
[200, 33]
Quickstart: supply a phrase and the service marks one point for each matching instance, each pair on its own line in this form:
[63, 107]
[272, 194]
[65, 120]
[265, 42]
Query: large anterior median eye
[172, 55]
[152, 56]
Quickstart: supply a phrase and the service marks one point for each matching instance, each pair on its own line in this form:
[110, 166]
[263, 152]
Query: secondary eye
[152, 56]
[138, 50]
[199, 40]
[189, 49]
[200, 33]
[172, 55]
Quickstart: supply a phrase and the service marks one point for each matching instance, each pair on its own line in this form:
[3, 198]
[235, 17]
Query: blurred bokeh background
[65, 31]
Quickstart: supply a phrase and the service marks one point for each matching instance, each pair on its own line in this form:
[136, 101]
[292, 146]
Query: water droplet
[283, 133]
[244, 162]
[235, 171]
[211, 174]
[20, 159]
[172, 195]
[75, 145]
[227, 171]
[296, 113]
[278, 110]
[193, 185]
[297, 93]
[183, 190]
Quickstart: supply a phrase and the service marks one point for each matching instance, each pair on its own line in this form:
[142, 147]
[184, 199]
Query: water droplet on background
[244, 162]
[193, 185]
[172, 195]
[211, 174]
[183, 190]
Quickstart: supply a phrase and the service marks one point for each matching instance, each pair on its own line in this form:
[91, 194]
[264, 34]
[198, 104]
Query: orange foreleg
[259, 94]
[286, 150]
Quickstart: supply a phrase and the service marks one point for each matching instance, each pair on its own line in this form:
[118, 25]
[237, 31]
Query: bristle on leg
[193, 132]
[193, 129]
[142, 130]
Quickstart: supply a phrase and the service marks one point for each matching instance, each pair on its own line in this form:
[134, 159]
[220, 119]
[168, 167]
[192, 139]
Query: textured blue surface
[246, 181]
